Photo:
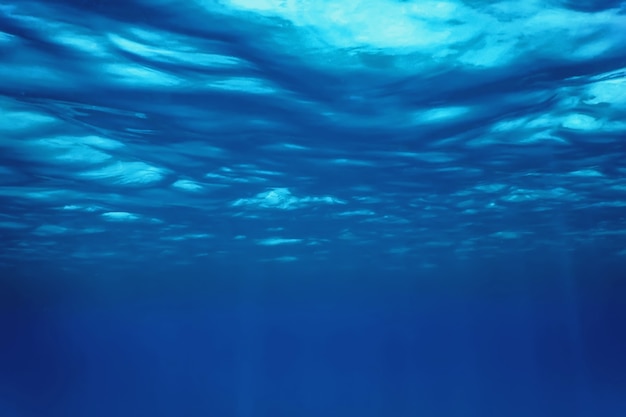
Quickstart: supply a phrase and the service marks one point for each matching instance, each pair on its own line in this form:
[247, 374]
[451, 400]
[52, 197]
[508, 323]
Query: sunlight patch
[164, 47]
[380, 24]
[244, 85]
[78, 207]
[100, 142]
[71, 149]
[274, 241]
[356, 213]
[40, 193]
[619, 204]
[405, 35]
[286, 147]
[351, 162]
[490, 188]
[188, 236]
[519, 195]
[440, 114]
[609, 91]
[580, 122]
[84, 42]
[187, 185]
[7, 38]
[127, 173]
[507, 235]
[15, 121]
[281, 198]
[586, 173]
[120, 216]
[138, 75]
[79, 154]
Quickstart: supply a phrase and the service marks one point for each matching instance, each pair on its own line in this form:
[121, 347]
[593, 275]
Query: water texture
[307, 208]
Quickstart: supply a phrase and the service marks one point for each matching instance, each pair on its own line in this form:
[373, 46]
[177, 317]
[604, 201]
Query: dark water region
[256, 208]
[257, 343]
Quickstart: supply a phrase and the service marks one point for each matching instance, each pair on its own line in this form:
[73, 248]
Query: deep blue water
[312, 208]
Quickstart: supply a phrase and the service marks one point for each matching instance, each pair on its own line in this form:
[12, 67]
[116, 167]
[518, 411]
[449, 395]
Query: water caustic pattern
[302, 131]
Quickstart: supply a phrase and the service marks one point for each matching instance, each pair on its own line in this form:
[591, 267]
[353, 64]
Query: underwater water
[312, 208]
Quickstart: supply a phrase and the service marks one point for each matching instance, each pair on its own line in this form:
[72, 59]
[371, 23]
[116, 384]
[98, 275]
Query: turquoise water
[297, 208]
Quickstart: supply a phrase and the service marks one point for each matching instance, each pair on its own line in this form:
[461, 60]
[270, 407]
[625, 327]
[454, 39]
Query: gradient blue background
[304, 209]
[267, 342]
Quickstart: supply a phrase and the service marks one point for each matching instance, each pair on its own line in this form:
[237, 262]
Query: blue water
[312, 208]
